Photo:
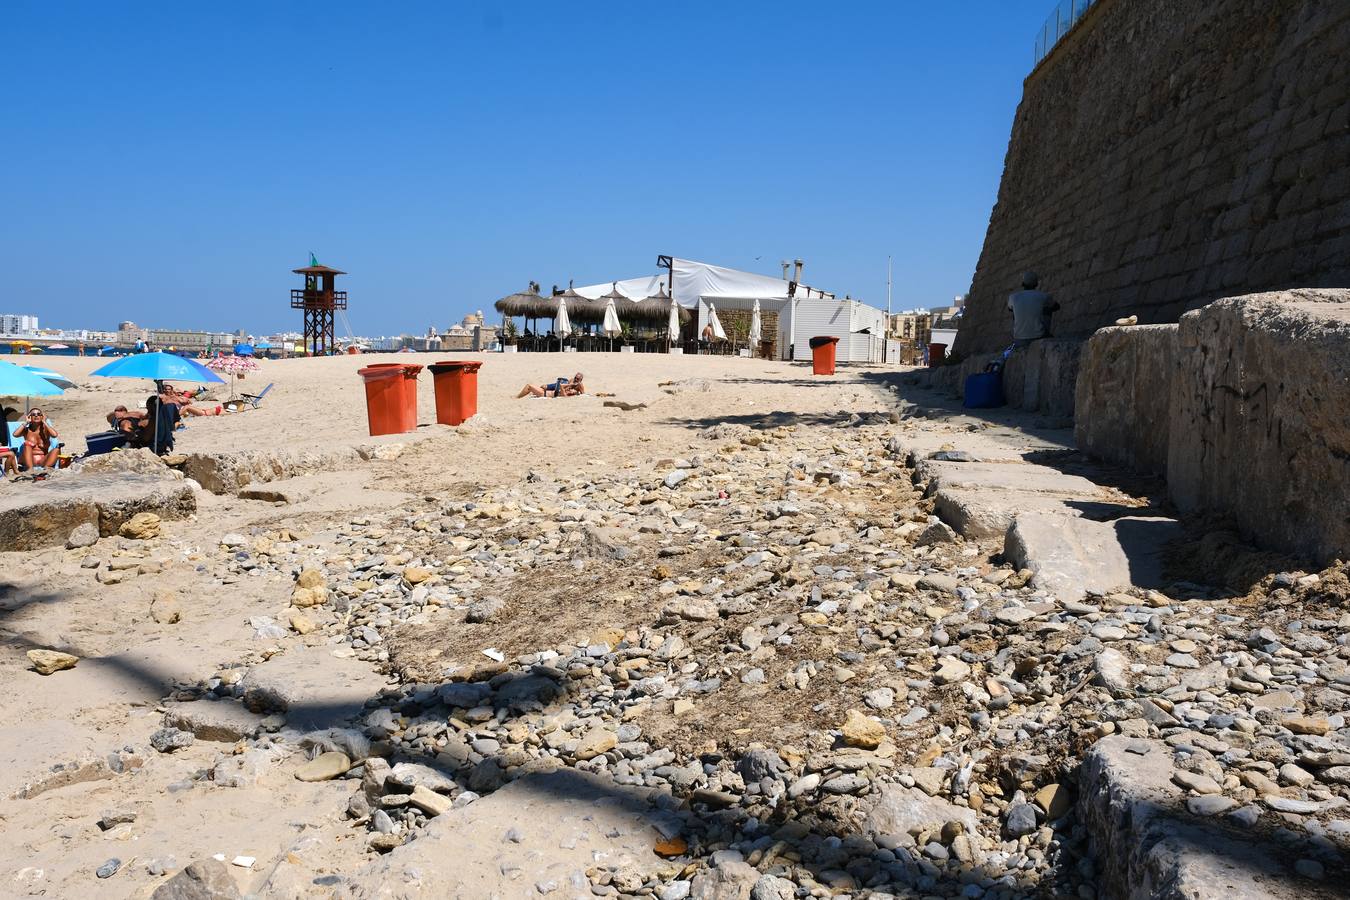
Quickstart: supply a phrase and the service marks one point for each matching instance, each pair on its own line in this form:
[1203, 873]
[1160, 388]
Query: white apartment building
[11, 323]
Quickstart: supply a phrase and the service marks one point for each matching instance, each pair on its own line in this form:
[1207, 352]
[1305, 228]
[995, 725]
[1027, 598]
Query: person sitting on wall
[1031, 309]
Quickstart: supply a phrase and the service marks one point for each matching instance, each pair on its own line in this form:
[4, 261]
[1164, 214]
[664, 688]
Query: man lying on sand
[560, 388]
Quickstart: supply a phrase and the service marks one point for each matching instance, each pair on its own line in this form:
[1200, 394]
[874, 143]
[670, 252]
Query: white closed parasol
[716, 323]
[561, 323]
[611, 327]
[756, 328]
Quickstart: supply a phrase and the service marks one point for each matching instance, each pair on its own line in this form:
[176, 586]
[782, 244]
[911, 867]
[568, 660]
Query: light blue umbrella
[55, 378]
[158, 366]
[16, 381]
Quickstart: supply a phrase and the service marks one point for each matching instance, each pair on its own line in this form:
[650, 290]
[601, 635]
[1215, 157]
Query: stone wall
[1124, 401]
[1169, 152]
[1260, 419]
[1243, 406]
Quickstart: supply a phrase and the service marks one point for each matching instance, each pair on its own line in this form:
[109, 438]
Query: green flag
[312, 260]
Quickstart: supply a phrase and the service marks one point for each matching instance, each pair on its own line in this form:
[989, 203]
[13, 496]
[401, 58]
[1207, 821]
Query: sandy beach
[320, 404]
[570, 649]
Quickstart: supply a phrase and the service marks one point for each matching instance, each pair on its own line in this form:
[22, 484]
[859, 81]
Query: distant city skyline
[444, 156]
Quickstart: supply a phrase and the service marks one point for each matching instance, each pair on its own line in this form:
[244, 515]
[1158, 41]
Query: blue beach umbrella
[55, 378]
[17, 381]
[158, 366]
[243, 349]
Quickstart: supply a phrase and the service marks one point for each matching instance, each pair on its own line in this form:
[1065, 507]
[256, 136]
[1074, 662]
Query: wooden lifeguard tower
[320, 303]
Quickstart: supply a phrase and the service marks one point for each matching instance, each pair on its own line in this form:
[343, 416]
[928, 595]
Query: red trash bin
[391, 397]
[822, 354]
[936, 354]
[456, 391]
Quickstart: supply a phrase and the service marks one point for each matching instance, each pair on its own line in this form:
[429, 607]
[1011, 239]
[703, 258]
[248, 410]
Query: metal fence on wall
[1065, 15]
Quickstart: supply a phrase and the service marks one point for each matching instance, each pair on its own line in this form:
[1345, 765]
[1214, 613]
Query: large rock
[901, 810]
[568, 819]
[1069, 556]
[312, 686]
[31, 520]
[205, 879]
[1146, 844]
[1259, 427]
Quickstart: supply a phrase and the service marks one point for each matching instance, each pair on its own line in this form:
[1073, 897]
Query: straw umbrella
[756, 328]
[527, 304]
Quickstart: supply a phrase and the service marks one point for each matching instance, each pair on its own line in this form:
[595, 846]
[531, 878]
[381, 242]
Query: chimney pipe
[785, 264]
[797, 270]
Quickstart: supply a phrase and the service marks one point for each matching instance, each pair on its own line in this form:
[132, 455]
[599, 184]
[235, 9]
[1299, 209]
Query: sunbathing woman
[40, 447]
[560, 388]
[183, 400]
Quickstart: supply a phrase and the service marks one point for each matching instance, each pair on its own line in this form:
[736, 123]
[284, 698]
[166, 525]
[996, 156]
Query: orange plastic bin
[822, 354]
[456, 391]
[391, 397]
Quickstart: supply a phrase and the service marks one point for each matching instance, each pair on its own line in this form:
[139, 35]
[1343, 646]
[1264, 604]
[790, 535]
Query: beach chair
[253, 401]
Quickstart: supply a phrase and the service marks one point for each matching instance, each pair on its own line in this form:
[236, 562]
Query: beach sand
[319, 404]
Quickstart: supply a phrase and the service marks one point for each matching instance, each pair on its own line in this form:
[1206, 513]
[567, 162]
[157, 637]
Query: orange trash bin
[456, 391]
[822, 354]
[391, 397]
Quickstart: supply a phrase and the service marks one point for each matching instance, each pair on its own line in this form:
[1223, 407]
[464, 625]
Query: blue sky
[171, 163]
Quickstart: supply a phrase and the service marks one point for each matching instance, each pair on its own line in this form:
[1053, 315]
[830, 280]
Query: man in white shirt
[1031, 311]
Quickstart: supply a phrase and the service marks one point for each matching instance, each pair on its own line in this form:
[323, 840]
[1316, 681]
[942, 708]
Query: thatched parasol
[526, 303]
[580, 310]
[655, 310]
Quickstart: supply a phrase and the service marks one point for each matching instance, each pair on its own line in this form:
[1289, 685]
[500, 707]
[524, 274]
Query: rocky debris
[80, 771]
[141, 527]
[569, 643]
[47, 662]
[167, 740]
[165, 608]
[204, 879]
[324, 767]
[83, 535]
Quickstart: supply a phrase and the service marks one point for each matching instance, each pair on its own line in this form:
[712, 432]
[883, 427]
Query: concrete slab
[1003, 477]
[41, 514]
[314, 688]
[1147, 844]
[985, 515]
[564, 822]
[1071, 556]
[213, 720]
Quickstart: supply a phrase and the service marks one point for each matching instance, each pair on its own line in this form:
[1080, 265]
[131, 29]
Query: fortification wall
[1169, 152]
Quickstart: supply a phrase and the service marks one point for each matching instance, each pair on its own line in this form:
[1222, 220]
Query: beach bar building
[791, 313]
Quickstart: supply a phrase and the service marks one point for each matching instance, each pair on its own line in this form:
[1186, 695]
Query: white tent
[698, 286]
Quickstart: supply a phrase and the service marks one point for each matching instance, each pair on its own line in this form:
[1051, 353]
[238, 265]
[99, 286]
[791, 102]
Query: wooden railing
[305, 299]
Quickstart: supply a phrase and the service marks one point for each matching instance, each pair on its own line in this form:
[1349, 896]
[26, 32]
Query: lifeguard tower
[320, 302]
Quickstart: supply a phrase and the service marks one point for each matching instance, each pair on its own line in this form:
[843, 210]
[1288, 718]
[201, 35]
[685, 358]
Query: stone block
[314, 688]
[1258, 423]
[220, 720]
[1070, 556]
[1148, 845]
[1123, 402]
[45, 514]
